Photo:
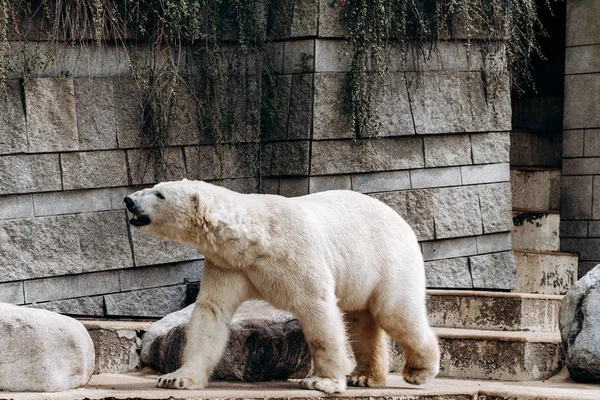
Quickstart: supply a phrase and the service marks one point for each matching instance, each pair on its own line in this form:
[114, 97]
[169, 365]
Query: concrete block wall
[69, 152]
[580, 209]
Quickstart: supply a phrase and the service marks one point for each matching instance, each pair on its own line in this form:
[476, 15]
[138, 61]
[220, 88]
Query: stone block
[13, 132]
[541, 114]
[456, 212]
[387, 181]
[150, 250]
[416, 207]
[242, 185]
[582, 22]
[490, 148]
[493, 243]
[117, 350]
[386, 154]
[574, 229]
[587, 248]
[493, 271]
[301, 102]
[83, 306]
[537, 149]
[51, 116]
[285, 158]
[536, 189]
[66, 287]
[184, 119]
[489, 173]
[330, 21]
[585, 267]
[274, 123]
[594, 227]
[163, 275]
[118, 194]
[219, 162]
[449, 248]
[582, 101]
[455, 92]
[581, 166]
[596, 194]
[293, 186]
[71, 202]
[12, 292]
[63, 245]
[96, 123]
[582, 59]
[535, 230]
[435, 177]
[299, 57]
[330, 182]
[395, 117]
[29, 173]
[545, 272]
[96, 169]
[496, 208]
[330, 120]
[150, 303]
[275, 52]
[129, 112]
[148, 167]
[591, 145]
[18, 206]
[576, 197]
[573, 143]
[332, 55]
[448, 274]
[305, 18]
[446, 150]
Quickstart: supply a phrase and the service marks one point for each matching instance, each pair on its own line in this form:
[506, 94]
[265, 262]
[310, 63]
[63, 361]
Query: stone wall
[580, 209]
[69, 152]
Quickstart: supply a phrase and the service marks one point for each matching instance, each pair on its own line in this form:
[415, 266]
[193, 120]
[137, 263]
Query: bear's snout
[139, 218]
[129, 203]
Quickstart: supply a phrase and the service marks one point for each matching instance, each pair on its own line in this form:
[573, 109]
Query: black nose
[128, 203]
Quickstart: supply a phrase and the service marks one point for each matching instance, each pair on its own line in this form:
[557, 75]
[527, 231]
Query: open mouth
[140, 220]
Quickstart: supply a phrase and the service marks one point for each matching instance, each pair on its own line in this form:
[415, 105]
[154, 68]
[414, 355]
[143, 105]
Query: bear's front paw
[180, 380]
[326, 385]
[417, 376]
[364, 381]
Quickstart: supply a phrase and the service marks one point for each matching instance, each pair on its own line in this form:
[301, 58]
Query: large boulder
[42, 351]
[265, 344]
[580, 328]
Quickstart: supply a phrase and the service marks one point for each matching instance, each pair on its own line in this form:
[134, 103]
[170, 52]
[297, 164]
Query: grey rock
[435, 177]
[448, 274]
[299, 57]
[582, 25]
[305, 18]
[150, 250]
[416, 207]
[128, 112]
[96, 123]
[83, 306]
[18, 206]
[330, 182]
[582, 112]
[148, 167]
[395, 118]
[29, 173]
[385, 154]
[493, 147]
[285, 158]
[493, 243]
[151, 303]
[275, 122]
[241, 185]
[456, 212]
[95, 169]
[13, 133]
[264, 344]
[474, 174]
[446, 150]
[330, 121]
[71, 202]
[579, 323]
[70, 286]
[496, 208]
[12, 292]
[381, 181]
[117, 350]
[51, 116]
[493, 271]
[221, 162]
[301, 102]
[293, 186]
[330, 20]
[162, 275]
[62, 245]
[449, 248]
[332, 55]
[43, 351]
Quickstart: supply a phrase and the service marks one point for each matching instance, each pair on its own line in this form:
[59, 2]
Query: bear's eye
[160, 195]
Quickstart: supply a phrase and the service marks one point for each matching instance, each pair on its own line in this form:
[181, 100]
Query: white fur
[315, 256]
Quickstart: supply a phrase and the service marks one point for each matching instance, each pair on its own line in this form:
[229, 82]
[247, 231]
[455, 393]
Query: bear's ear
[200, 210]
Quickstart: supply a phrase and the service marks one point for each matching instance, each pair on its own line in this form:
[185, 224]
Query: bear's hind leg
[370, 347]
[324, 330]
[407, 325]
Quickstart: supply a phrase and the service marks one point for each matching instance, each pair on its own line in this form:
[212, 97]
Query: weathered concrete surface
[545, 272]
[536, 230]
[535, 188]
[493, 311]
[580, 328]
[42, 351]
[264, 344]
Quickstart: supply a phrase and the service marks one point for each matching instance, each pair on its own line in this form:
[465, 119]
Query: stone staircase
[541, 266]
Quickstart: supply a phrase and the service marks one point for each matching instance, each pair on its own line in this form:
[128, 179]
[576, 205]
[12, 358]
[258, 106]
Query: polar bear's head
[171, 210]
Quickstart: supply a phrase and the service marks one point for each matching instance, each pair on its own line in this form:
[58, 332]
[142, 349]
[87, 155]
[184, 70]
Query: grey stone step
[536, 230]
[493, 310]
[142, 386]
[535, 188]
[545, 272]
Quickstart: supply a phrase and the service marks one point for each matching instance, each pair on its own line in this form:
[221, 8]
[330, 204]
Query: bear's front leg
[221, 293]
[324, 330]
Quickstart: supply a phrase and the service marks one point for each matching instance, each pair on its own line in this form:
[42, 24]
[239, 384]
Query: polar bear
[332, 259]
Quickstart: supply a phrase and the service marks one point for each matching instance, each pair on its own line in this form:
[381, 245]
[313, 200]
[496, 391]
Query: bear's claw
[364, 381]
[417, 376]
[175, 380]
[326, 385]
